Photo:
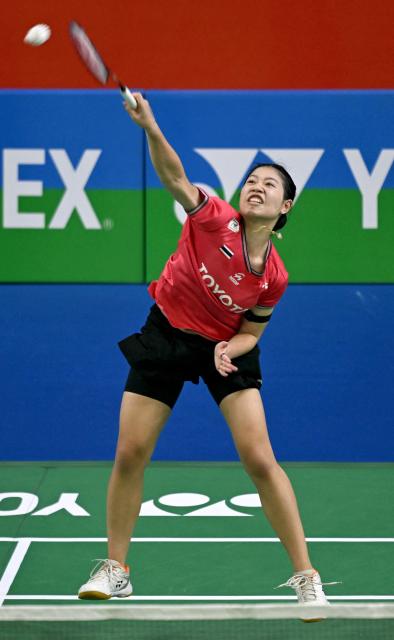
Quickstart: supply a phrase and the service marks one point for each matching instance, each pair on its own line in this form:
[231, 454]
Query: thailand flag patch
[226, 251]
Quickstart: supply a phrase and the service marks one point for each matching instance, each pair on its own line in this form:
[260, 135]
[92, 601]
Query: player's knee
[260, 467]
[131, 457]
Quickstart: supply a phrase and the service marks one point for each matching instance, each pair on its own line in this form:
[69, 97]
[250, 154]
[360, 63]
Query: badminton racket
[94, 62]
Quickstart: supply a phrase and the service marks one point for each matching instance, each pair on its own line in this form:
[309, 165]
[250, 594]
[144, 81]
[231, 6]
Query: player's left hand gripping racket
[94, 62]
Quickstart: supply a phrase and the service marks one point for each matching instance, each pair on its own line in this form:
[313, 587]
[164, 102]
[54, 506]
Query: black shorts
[163, 358]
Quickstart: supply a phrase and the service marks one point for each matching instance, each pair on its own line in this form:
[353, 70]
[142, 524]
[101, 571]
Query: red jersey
[208, 283]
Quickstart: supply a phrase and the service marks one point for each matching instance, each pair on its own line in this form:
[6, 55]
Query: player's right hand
[143, 114]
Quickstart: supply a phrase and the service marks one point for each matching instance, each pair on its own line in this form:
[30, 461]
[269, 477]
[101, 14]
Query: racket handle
[127, 95]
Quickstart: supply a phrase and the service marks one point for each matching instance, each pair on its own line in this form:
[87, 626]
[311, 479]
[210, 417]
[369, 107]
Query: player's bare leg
[244, 413]
[141, 420]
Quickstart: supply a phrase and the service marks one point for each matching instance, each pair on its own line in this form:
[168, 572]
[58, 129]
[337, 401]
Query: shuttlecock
[37, 35]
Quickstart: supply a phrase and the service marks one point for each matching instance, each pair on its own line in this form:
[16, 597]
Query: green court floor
[201, 536]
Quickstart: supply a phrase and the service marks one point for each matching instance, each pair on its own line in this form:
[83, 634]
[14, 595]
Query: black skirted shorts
[163, 358]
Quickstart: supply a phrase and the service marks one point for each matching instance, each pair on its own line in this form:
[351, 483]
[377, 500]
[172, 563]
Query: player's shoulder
[212, 212]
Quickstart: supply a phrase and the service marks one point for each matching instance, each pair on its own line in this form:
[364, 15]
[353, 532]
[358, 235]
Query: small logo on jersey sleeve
[226, 251]
[233, 225]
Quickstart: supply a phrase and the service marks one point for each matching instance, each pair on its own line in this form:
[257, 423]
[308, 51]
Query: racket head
[88, 53]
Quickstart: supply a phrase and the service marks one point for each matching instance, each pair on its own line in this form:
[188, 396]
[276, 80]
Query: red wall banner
[177, 44]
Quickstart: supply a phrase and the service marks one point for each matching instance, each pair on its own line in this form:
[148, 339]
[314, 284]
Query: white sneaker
[309, 591]
[110, 580]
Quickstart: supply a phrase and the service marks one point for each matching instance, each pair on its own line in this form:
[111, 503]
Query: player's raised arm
[165, 160]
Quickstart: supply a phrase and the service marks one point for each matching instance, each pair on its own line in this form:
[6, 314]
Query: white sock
[307, 572]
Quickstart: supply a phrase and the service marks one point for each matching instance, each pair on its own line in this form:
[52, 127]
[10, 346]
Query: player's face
[262, 196]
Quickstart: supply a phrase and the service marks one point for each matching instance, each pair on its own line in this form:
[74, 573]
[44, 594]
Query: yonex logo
[301, 163]
[236, 278]
[73, 178]
[28, 503]
[201, 505]
[174, 504]
[221, 294]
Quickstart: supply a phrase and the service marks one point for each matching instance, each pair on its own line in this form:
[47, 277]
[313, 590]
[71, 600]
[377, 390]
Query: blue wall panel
[330, 120]
[326, 358]
[74, 120]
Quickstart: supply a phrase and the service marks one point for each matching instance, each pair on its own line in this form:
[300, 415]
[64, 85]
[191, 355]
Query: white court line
[196, 539]
[12, 567]
[201, 598]
[24, 543]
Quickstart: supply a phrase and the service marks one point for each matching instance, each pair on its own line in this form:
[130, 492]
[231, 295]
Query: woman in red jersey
[212, 303]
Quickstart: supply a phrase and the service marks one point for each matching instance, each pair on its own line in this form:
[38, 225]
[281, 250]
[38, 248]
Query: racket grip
[127, 95]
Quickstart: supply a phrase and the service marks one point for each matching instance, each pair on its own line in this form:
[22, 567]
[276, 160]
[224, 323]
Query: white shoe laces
[106, 569]
[309, 585]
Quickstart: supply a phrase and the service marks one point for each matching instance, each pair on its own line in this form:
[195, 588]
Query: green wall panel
[114, 252]
[323, 242]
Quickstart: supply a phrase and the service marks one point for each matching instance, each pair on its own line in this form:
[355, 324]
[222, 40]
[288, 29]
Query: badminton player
[212, 303]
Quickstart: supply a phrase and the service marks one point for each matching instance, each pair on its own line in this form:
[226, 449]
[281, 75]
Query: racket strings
[88, 53]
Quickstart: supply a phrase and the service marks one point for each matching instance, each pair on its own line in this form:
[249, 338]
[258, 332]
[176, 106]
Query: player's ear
[286, 206]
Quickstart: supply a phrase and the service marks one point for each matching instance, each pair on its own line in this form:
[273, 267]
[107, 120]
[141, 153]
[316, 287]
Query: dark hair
[288, 187]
